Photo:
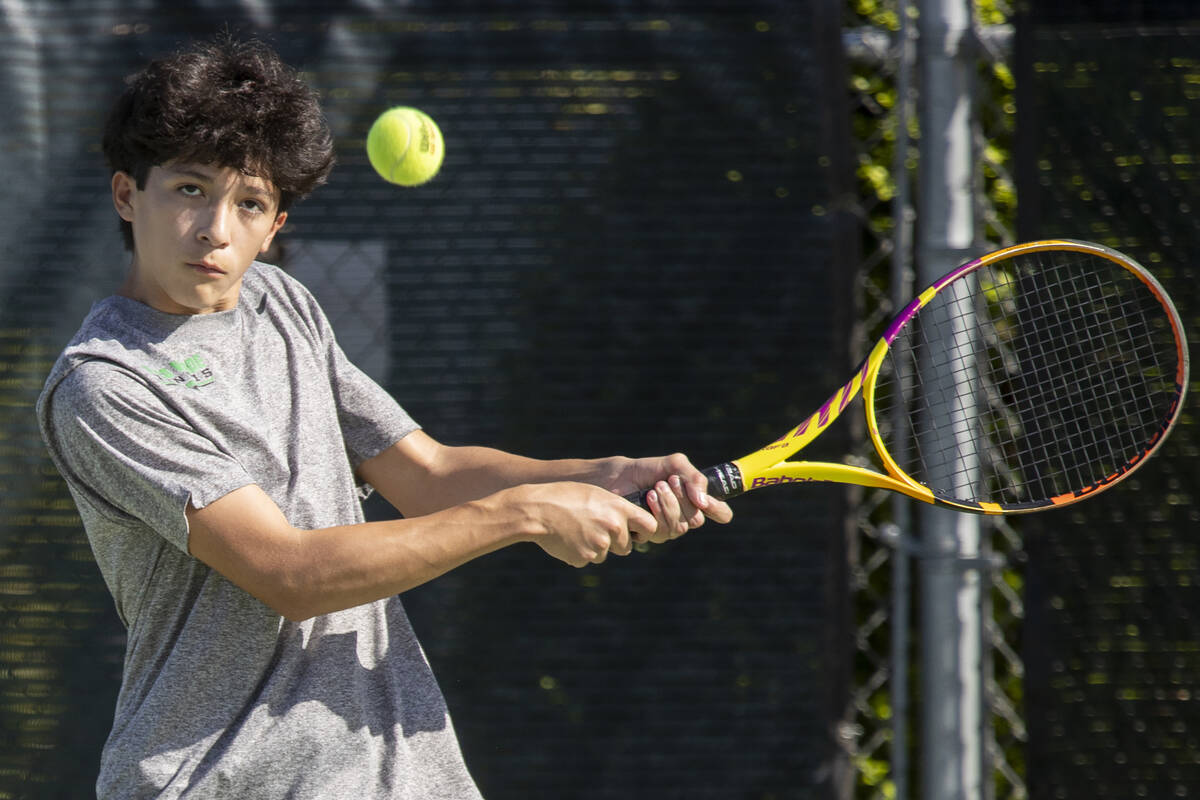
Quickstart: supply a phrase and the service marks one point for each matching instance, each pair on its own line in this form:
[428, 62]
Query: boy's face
[196, 230]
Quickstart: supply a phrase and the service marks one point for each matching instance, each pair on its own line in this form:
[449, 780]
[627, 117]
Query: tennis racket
[1030, 378]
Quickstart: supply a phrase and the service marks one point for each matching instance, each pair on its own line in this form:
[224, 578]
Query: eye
[253, 205]
[191, 190]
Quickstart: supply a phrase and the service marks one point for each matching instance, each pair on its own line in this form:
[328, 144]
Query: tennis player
[218, 443]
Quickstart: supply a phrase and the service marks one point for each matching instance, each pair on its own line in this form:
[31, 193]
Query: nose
[214, 228]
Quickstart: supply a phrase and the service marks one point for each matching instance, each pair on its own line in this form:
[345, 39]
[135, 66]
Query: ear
[123, 189]
[279, 220]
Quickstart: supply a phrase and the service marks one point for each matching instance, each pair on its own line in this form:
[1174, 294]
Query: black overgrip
[724, 481]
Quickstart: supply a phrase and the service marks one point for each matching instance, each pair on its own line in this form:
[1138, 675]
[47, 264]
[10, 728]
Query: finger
[718, 511]
[669, 514]
[689, 511]
[695, 500]
[621, 541]
[685, 494]
[640, 532]
[696, 487]
[643, 524]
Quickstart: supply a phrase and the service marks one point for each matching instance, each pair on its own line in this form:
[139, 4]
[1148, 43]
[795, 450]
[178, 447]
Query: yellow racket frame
[768, 466]
[763, 467]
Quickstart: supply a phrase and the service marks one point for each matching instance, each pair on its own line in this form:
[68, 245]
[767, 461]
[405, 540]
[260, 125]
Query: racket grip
[724, 481]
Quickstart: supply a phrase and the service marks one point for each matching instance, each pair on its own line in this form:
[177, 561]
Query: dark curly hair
[222, 102]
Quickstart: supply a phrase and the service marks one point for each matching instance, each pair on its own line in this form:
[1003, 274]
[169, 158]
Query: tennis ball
[405, 146]
[998, 288]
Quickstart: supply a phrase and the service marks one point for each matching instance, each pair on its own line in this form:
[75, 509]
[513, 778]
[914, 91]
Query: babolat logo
[759, 482]
[191, 372]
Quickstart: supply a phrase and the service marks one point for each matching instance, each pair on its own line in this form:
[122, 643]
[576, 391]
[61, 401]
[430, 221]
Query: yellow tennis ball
[405, 146]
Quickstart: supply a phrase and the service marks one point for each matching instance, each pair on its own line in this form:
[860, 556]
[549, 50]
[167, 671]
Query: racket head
[1030, 378]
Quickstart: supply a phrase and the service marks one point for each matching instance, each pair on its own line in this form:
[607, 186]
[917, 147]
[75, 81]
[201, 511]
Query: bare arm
[302, 573]
[419, 475]
[460, 503]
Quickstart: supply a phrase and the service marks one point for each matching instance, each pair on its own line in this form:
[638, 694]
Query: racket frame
[769, 466]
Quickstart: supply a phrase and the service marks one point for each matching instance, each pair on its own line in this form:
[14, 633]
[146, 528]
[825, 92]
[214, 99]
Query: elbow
[290, 599]
[292, 609]
[246, 538]
[288, 587]
[283, 602]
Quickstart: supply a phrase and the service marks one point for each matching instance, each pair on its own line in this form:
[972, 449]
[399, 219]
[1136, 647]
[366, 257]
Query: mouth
[204, 268]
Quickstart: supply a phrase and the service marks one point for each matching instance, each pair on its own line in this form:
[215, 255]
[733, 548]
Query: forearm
[302, 573]
[420, 476]
[346, 566]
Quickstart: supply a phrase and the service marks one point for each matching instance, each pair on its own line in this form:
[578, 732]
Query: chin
[204, 302]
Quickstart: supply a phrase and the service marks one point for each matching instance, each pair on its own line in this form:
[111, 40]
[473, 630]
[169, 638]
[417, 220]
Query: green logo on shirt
[191, 372]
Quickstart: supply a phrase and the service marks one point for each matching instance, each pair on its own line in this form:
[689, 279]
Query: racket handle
[724, 481]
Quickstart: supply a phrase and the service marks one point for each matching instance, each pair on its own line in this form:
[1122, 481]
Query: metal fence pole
[901, 290]
[950, 609]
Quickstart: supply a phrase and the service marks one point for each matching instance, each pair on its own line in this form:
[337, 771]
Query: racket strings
[1072, 347]
[1034, 377]
[1092, 432]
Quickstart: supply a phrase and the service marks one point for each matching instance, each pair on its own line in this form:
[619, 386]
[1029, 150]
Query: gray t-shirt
[221, 697]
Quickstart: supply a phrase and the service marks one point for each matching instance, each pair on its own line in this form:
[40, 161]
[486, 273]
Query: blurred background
[660, 226]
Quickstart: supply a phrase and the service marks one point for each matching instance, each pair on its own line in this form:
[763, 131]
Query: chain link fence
[637, 244]
[1111, 118]
[881, 43]
[604, 157]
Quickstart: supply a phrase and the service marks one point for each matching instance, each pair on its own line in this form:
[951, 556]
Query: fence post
[951, 627]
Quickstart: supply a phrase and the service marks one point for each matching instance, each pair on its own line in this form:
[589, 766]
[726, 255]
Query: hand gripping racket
[1030, 378]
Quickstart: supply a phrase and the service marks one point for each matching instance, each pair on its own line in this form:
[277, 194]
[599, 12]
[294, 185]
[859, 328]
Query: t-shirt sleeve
[370, 418]
[132, 456]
